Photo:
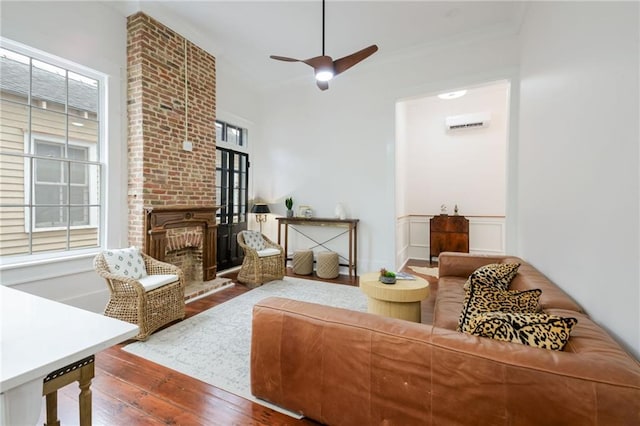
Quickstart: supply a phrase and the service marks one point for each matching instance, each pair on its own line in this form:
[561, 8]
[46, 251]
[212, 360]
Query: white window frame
[102, 160]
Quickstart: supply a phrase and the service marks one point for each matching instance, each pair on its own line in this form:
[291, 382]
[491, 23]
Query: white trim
[42, 266]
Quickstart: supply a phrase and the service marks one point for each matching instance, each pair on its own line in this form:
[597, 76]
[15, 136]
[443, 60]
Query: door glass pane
[233, 135]
[244, 137]
[219, 132]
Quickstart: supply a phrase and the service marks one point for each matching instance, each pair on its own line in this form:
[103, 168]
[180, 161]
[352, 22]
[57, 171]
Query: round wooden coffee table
[400, 300]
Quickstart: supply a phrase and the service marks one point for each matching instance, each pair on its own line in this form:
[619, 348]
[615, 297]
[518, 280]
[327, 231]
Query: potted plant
[288, 202]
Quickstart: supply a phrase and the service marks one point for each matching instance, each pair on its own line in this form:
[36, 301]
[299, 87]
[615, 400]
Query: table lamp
[260, 210]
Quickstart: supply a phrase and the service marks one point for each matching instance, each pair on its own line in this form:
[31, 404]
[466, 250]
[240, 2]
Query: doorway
[451, 159]
[232, 178]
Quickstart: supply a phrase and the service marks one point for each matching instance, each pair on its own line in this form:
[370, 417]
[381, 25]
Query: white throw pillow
[126, 262]
[254, 240]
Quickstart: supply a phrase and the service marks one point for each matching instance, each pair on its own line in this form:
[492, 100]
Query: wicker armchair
[259, 267]
[131, 302]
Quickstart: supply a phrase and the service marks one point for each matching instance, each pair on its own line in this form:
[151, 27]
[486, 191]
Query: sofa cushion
[482, 298]
[254, 240]
[126, 262]
[448, 304]
[495, 274]
[532, 329]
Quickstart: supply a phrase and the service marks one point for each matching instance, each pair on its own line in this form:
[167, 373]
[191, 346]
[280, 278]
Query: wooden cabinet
[448, 233]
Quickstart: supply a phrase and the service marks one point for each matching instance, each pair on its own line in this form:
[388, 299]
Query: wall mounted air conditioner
[468, 121]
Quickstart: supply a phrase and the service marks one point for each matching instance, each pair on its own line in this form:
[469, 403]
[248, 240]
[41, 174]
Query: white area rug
[425, 270]
[214, 346]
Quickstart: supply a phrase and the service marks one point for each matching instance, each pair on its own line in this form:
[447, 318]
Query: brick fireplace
[194, 229]
[171, 98]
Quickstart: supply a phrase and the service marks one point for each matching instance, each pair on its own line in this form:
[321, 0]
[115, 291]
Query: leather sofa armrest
[339, 366]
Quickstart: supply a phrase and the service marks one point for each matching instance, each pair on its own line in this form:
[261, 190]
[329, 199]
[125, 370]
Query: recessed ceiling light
[452, 95]
[77, 123]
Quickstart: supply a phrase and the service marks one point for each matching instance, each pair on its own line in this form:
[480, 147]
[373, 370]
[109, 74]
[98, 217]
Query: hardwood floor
[128, 390]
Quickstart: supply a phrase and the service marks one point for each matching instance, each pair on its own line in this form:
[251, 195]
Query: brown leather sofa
[342, 367]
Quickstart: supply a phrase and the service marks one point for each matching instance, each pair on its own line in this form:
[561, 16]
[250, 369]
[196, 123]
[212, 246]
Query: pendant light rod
[322, 27]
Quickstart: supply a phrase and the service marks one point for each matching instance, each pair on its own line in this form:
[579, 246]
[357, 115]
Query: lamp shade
[260, 208]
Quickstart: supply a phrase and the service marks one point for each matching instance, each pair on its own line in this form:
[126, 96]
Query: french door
[232, 178]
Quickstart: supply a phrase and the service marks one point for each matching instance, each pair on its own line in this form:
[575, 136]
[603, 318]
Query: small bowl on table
[387, 280]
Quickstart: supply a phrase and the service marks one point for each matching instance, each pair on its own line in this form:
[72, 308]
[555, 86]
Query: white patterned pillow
[126, 262]
[254, 240]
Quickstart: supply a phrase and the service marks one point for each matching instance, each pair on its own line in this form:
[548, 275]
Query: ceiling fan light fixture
[324, 74]
[324, 67]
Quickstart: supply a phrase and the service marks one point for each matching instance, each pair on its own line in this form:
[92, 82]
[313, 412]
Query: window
[231, 134]
[50, 143]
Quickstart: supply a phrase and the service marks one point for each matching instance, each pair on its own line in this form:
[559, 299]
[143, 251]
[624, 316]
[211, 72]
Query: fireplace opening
[184, 249]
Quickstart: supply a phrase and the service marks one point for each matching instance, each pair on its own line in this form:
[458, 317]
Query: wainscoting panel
[486, 236]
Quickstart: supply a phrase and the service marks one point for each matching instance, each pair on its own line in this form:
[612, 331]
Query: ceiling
[242, 34]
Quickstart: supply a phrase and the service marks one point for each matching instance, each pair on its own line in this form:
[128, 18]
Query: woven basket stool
[328, 266]
[303, 262]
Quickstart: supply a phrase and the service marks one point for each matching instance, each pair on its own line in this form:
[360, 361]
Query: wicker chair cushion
[151, 282]
[126, 262]
[254, 240]
[268, 252]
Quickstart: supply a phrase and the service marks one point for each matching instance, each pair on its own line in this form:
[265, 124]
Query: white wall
[578, 202]
[92, 35]
[339, 145]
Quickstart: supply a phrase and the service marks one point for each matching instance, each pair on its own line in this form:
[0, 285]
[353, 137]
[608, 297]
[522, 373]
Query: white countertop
[38, 336]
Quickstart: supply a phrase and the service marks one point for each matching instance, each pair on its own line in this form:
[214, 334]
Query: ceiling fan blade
[323, 85]
[343, 64]
[284, 58]
[319, 61]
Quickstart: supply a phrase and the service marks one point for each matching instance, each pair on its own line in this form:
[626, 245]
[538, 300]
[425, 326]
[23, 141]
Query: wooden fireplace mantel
[158, 219]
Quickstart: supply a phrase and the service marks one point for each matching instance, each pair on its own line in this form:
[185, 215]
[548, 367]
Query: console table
[350, 224]
[448, 233]
[45, 345]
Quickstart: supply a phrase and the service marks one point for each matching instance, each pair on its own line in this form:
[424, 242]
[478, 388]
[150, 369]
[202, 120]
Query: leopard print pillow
[495, 274]
[539, 330]
[482, 298]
